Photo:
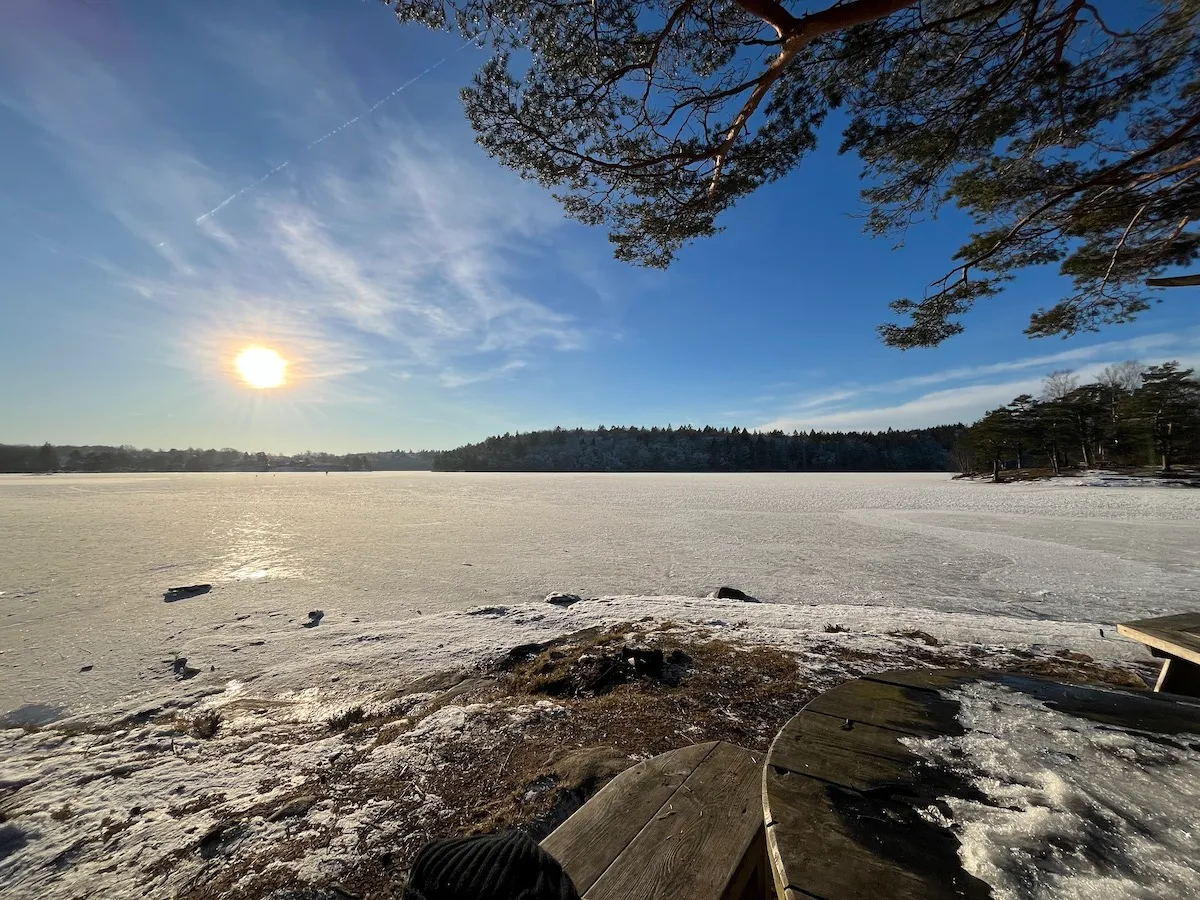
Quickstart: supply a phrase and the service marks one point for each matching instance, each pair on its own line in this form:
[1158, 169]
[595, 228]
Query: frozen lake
[84, 560]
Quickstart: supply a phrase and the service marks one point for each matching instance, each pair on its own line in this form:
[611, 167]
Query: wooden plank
[919, 712]
[1141, 710]
[1177, 635]
[855, 755]
[841, 794]
[928, 679]
[829, 842]
[694, 846]
[588, 842]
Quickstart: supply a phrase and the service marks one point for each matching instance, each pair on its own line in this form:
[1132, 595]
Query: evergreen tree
[1168, 406]
[47, 459]
[993, 436]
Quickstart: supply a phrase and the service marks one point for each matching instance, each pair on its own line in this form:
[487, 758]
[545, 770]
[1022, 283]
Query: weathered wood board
[1177, 636]
[1178, 639]
[841, 793]
[684, 824]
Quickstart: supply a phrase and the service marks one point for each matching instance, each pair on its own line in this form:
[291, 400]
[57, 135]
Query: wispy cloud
[975, 388]
[454, 379]
[387, 249]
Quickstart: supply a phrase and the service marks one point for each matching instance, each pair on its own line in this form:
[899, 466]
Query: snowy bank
[330, 769]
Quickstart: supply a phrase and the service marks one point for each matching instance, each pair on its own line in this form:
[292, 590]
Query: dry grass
[206, 725]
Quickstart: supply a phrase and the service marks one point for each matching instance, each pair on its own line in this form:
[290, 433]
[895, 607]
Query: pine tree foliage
[1068, 129]
[707, 449]
[1115, 420]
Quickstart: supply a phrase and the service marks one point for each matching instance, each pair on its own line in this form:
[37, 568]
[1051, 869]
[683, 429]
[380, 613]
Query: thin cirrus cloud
[383, 248]
[975, 388]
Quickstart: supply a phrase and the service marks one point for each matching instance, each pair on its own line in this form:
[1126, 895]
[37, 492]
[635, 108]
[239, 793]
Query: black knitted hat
[494, 867]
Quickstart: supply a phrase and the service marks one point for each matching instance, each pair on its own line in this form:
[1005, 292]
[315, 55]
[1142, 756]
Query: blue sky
[150, 229]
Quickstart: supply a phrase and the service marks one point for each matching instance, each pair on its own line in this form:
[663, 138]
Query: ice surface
[1074, 810]
[84, 559]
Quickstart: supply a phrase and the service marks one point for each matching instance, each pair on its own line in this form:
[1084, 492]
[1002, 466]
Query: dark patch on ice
[181, 669]
[314, 618]
[488, 611]
[185, 592]
[32, 715]
[12, 839]
[66, 858]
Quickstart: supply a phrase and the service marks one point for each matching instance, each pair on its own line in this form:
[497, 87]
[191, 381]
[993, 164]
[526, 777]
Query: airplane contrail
[283, 165]
[220, 206]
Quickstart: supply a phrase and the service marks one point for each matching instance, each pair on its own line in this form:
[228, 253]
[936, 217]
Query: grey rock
[171, 595]
[729, 593]
[182, 670]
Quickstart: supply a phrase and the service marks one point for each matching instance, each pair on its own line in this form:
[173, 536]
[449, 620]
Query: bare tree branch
[802, 32]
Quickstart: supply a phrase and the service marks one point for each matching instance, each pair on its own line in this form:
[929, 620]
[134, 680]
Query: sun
[261, 367]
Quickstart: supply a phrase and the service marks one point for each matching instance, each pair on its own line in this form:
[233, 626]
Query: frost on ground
[1072, 809]
[322, 775]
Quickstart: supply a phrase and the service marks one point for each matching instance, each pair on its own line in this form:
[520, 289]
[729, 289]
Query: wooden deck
[1177, 639]
[840, 792]
[686, 825]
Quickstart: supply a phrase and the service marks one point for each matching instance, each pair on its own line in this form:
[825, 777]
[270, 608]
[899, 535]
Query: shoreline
[1095, 477]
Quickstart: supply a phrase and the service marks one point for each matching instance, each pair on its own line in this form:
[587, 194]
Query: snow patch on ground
[1075, 810]
[129, 802]
[1103, 478]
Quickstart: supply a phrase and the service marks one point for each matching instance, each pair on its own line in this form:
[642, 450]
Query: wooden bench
[686, 825]
[1177, 640]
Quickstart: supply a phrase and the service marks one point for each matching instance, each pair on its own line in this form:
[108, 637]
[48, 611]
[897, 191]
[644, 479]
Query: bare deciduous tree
[1059, 384]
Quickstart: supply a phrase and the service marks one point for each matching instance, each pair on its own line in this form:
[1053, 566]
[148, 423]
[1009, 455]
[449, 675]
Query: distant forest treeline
[1132, 415]
[684, 449]
[48, 458]
[708, 449]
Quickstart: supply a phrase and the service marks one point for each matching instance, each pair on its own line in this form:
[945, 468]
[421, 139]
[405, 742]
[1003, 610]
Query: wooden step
[685, 824]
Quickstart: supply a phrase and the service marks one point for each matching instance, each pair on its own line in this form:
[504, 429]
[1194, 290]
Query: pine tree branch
[1104, 177]
[801, 33]
[770, 12]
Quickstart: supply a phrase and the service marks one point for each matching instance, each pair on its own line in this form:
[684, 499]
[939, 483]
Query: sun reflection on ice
[257, 549]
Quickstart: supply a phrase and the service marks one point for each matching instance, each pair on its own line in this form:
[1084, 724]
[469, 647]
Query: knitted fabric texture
[494, 867]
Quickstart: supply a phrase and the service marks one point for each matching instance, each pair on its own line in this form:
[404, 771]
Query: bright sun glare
[261, 367]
